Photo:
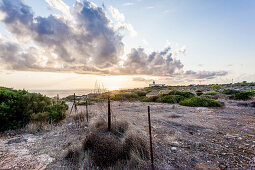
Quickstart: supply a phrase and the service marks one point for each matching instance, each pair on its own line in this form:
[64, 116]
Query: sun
[113, 88]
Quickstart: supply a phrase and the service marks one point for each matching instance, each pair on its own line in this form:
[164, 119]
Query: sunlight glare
[113, 88]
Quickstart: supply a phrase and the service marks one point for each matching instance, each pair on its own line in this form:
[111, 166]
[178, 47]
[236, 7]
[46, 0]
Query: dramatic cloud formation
[120, 23]
[205, 74]
[156, 63]
[117, 14]
[88, 43]
[81, 40]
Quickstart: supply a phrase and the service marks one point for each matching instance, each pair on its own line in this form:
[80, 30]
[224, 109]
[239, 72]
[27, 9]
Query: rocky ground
[183, 137]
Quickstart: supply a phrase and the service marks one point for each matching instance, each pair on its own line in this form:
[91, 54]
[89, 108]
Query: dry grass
[38, 126]
[111, 149]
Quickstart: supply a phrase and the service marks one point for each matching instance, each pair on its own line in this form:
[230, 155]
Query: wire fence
[198, 142]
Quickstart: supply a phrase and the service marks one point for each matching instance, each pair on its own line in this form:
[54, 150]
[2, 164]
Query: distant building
[156, 85]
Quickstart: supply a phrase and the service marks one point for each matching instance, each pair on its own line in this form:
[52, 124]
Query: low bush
[200, 102]
[180, 93]
[151, 99]
[171, 99]
[243, 95]
[212, 93]
[57, 112]
[124, 96]
[229, 92]
[216, 87]
[141, 93]
[199, 92]
[18, 107]
[41, 117]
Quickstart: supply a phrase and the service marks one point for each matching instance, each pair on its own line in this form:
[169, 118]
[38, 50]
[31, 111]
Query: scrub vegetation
[19, 107]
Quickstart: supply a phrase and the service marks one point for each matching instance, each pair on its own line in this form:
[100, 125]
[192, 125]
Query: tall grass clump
[107, 148]
[200, 102]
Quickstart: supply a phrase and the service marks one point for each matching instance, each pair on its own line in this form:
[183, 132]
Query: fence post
[109, 113]
[74, 105]
[87, 113]
[57, 98]
[151, 152]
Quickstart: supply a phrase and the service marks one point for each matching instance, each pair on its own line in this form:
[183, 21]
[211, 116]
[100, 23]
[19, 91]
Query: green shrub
[124, 96]
[150, 99]
[57, 112]
[244, 95]
[141, 93]
[230, 92]
[41, 117]
[180, 93]
[171, 98]
[17, 107]
[83, 103]
[199, 92]
[216, 87]
[200, 102]
[213, 93]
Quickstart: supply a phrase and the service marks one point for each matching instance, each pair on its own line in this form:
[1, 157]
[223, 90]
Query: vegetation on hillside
[243, 95]
[200, 102]
[18, 107]
[184, 98]
[216, 87]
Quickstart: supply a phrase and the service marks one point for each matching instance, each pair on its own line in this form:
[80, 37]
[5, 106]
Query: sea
[62, 93]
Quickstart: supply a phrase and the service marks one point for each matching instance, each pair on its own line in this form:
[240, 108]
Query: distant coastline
[61, 92]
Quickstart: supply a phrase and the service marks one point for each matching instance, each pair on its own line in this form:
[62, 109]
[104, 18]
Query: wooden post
[74, 105]
[151, 152]
[109, 113]
[57, 98]
[87, 113]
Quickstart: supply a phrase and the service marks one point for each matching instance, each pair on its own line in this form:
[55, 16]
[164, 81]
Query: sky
[66, 44]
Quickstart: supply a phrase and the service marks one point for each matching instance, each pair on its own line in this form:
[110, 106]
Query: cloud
[158, 63]
[120, 23]
[128, 4]
[61, 6]
[141, 79]
[205, 74]
[74, 43]
[150, 7]
[81, 40]
[116, 14]
[145, 42]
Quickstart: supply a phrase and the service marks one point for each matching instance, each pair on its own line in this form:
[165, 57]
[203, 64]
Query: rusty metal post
[87, 113]
[109, 113]
[151, 152]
